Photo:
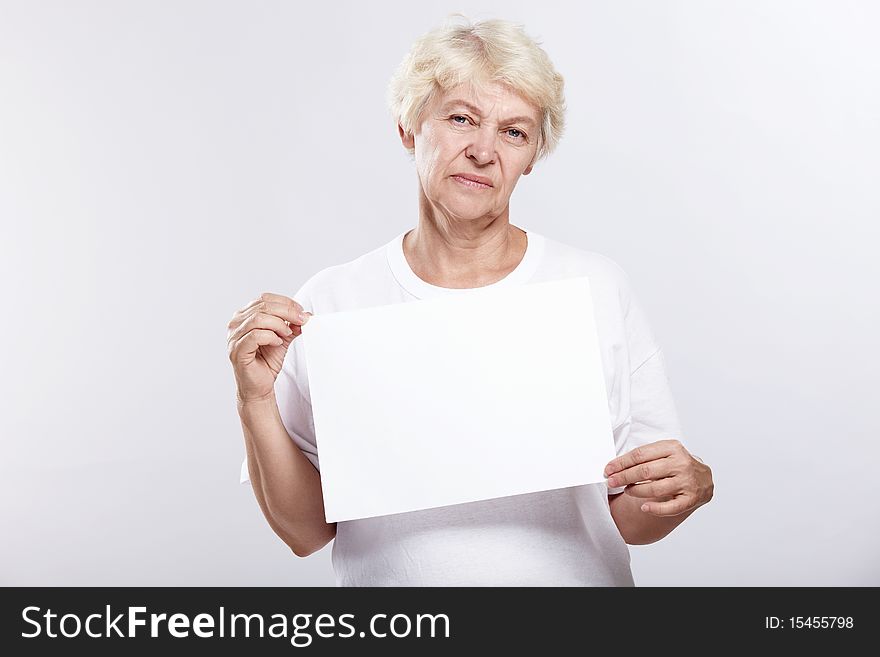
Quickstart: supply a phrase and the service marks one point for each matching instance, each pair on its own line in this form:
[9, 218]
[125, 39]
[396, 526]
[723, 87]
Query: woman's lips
[471, 183]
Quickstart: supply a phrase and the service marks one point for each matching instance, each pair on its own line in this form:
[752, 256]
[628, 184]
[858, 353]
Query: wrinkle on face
[483, 145]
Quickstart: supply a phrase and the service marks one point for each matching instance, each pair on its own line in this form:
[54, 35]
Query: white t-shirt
[563, 537]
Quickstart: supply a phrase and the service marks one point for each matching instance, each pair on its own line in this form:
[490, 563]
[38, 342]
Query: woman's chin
[465, 211]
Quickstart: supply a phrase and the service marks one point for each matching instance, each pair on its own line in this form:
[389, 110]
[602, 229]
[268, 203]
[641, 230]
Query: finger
[671, 508]
[262, 321]
[248, 344]
[243, 313]
[285, 307]
[280, 300]
[253, 303]
[271, 296]
[649, 471]
[654, 489]
[266, 296]
[641, 454]
[289, 311]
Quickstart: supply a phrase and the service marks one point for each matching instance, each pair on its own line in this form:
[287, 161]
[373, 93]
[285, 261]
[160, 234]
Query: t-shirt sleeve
[652, 413]
[293, 399]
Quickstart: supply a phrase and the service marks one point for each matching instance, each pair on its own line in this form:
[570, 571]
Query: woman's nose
[482, 148]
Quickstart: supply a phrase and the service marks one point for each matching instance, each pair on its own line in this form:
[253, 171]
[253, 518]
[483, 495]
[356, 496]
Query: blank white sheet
[470, 396]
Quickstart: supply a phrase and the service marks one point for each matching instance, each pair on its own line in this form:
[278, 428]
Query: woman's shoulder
[346, 280]
[617, 306]
[562, 260]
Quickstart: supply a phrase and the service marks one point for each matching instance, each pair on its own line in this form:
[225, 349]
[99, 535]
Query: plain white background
[162, 163]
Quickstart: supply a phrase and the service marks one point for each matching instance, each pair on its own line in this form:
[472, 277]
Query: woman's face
[490, 135]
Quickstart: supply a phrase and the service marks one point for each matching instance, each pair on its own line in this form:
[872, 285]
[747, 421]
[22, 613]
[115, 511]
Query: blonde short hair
[486, 51]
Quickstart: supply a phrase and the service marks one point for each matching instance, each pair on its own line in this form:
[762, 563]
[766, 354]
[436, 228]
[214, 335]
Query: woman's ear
[407, 139]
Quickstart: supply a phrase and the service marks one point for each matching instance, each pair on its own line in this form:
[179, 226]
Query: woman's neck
[464, 255]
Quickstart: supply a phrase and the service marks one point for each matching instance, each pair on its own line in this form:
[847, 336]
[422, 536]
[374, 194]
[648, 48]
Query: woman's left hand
[665, 474]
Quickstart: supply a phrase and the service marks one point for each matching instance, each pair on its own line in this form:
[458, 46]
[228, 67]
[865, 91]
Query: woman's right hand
[258, 338]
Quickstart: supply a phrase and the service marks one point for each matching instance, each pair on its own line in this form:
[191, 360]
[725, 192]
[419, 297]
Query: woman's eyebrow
[476, 110]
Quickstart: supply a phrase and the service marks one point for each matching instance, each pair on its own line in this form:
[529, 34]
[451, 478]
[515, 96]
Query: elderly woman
[477, 106]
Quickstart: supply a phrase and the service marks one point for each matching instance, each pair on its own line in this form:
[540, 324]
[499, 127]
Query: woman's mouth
[471, 183]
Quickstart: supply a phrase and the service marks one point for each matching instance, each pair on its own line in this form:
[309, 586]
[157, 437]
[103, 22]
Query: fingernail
[612, 482]
[644, 507]
[303, 317]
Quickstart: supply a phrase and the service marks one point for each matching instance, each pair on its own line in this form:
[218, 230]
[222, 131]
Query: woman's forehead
[483, 100]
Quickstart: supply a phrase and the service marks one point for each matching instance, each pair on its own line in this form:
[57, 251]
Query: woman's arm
[664, 485]
[638, 527]
[287, 486]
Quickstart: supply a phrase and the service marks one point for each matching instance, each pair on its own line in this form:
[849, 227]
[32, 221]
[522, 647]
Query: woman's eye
[462, 122]
[517, 135]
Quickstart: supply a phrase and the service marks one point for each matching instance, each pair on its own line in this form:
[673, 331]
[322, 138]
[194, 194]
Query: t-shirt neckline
[421, 289]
